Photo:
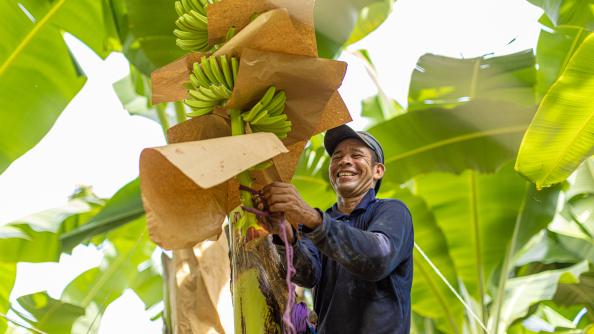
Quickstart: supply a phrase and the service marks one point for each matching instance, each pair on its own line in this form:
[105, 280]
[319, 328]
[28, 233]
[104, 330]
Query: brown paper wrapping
[238, 13]
[272, 31]
[197, 281]
[184, 187]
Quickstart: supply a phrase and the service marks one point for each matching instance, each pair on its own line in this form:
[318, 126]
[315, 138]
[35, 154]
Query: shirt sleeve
[372, 254]
[306, 260]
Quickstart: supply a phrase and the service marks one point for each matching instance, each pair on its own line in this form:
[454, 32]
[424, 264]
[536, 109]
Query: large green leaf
[477, 214]
[36, 238]
[48, 314]
[479, 135]
[445, 81]
[430, 295]
[583, 184]
[578, 13]
[342, 22]
[555, 48]
[146, 30]
[545, 248]
[123, 207]
[38, 76]
[578, 293]
[127, 248]
[7, 278]
[522, 292]
[561, 134]
[370, 18]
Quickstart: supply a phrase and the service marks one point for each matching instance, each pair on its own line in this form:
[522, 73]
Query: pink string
[289, 328]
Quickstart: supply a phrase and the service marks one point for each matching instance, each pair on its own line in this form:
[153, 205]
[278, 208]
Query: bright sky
[95, 142]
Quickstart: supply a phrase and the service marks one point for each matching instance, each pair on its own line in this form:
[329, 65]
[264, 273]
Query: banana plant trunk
[258, 288]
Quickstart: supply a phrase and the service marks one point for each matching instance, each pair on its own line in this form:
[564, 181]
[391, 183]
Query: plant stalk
[250, 306]
[180, 111]
[162, 115]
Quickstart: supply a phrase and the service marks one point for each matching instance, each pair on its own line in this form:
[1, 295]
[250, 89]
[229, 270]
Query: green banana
[268, 96]
[216, 71]
[204, 81]
[234, 68]
[226, 71]
[208, 92]
[249, 116]
[267, 115]
[205, 65]
[271, 119]
[263, 114]
[200, 104]
[192, 25]
[208, 84]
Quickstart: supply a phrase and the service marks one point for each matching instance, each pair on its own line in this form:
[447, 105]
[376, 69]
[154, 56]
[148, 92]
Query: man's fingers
[280, 207]
[280, 199]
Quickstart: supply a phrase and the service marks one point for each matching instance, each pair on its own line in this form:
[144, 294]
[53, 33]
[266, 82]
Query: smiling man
[357, 255]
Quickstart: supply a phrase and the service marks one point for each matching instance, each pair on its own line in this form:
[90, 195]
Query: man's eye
[336, 157]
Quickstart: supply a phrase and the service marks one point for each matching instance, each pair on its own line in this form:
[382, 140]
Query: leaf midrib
[457, 139]
[32, 33]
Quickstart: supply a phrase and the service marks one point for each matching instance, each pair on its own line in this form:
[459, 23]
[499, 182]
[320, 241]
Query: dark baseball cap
[334, 136]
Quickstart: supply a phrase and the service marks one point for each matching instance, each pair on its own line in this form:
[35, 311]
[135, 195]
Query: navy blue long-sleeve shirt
[360, 267]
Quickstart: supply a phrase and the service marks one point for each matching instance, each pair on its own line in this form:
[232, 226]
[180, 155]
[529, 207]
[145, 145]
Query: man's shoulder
[391, 203]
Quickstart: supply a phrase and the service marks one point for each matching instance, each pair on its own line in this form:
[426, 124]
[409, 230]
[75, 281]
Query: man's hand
[283, 197]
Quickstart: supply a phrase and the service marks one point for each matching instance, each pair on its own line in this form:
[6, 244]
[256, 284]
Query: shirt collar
[362, 206]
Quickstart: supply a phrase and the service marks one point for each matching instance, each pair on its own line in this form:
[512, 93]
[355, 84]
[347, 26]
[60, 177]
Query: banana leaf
[430, 296]
[7, 279]
[522, 292]
[125, 206]
[578, 13]
[339, 23]
[477, 214]
[580, 293]
[146, 31]
[561, 135]
[38, 76]
[128, 247]
[582, 185]
[48, 314]
[555, 47]
[36, 238]
[480, 135]
[440, 81]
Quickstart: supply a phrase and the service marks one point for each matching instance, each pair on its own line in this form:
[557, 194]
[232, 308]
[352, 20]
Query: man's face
[352, 172]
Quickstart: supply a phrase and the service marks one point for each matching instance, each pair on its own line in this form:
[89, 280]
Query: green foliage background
[484, 152]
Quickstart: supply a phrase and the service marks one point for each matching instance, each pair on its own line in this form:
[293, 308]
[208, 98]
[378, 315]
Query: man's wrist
[317, 219]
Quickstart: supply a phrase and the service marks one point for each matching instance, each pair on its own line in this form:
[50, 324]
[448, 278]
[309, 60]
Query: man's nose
[345, 160]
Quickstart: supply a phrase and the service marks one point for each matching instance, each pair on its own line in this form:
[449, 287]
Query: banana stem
[162, 115]
[180, 111]
[244, 178]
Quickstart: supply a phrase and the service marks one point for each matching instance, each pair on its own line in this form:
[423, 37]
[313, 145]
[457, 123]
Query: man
[358, 254]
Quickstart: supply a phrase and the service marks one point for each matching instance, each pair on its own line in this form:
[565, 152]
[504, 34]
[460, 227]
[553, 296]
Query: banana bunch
[192, 24]
[268, 114]
[211, 84]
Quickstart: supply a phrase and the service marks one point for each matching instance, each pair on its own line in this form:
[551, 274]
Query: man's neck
[348, 204]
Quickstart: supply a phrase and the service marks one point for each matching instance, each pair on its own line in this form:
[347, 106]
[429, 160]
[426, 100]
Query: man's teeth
[345, 174]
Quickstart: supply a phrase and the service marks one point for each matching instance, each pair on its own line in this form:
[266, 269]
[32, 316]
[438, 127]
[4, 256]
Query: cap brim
[335, 135]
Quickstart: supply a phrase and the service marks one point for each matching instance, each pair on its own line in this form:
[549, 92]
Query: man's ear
[378, 171]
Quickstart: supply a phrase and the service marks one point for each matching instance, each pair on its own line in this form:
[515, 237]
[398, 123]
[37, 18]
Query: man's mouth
[341, 174]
